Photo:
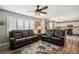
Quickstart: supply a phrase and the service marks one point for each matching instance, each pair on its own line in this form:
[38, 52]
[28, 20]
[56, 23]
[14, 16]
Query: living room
[24, 29]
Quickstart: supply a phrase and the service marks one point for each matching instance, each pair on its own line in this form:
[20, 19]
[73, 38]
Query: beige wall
[3, 29]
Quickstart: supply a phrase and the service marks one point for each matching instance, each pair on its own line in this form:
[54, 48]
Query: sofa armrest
[12, 40]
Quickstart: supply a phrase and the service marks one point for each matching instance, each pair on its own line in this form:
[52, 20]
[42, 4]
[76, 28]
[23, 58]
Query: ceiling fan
[39, 10]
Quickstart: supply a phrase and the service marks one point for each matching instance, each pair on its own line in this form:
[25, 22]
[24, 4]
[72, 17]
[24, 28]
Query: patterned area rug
[42, 47]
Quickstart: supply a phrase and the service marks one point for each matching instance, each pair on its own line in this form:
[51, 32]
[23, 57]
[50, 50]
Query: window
[20, 24]
[31, 24]
[50, 25]
[26, 24]
[11, 23]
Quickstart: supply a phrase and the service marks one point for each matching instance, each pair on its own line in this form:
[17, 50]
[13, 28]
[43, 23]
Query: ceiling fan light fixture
[39, 10]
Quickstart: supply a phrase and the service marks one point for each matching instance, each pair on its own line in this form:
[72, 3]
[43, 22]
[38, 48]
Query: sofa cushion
[30, 32]
[17, 35]
[56, 38]
[28, 38]
[50, 32]
[25, 34]
[20, 39]
[59, 33]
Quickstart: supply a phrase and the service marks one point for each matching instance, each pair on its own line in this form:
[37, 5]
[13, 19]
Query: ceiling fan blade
[44, 12]
[45, 7]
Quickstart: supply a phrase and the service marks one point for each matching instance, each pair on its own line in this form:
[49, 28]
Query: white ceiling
[55, 12]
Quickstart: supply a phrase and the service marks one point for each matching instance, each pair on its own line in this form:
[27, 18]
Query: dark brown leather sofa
[19, 38]
[56, 37]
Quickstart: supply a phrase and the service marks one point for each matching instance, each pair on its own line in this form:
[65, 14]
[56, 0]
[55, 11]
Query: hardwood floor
[72, 44]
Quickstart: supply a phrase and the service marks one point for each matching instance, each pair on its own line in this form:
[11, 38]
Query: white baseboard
[4, 46]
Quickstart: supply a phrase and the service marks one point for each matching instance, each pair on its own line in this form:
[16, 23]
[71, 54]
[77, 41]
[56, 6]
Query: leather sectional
[19, 38]
[56, 37]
